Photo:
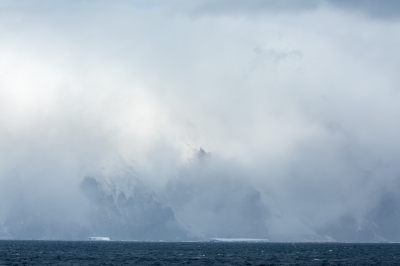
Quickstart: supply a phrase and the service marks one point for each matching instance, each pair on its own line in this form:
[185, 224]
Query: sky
[300, 97]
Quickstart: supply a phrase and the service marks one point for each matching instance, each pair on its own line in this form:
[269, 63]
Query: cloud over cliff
[297, 103]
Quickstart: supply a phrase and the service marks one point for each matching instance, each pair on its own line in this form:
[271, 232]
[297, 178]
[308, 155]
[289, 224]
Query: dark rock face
[229, 211]
[214, 202]
[138, 216]
[131, 214]
[349, 228]
[386, 217]
[380, 224]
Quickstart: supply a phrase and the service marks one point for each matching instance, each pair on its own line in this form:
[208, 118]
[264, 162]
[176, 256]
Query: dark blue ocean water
[199, 253]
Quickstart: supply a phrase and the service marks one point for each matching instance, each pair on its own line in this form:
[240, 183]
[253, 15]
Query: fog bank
[267, 119]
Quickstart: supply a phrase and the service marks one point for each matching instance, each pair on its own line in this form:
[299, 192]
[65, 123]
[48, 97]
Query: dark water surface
[198, 253]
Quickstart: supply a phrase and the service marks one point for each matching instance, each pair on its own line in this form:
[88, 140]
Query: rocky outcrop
[133, 214]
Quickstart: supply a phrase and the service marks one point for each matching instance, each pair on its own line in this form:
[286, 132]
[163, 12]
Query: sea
[194, 253]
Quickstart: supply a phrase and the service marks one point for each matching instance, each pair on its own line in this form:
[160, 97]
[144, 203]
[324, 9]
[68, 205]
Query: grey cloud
[386, 9]
[250, 7]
